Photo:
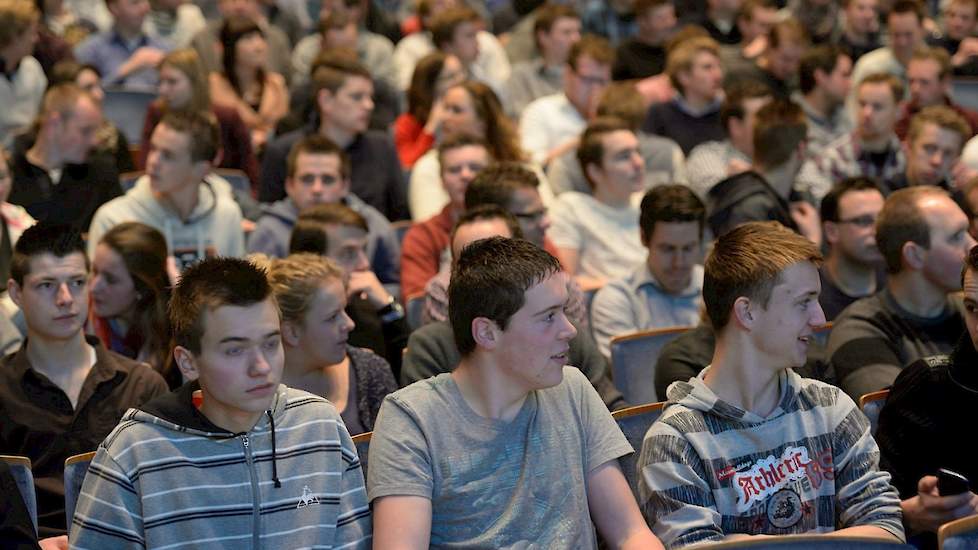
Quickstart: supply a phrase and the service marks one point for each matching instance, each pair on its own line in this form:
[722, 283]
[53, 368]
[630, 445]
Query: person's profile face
[175, 87]
[971, 305]
[168, 164]
[704, 78]
[931, 154]
[113, 289]
[782, 330]
[622, 170]
[347, 246]
[926, 86]
[949, 241]
[527, 206]
[351, 106]
[584, 85]
[324, 329]
[77, 132]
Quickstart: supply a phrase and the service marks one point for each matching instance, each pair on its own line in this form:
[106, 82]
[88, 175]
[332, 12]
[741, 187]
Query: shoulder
[305, 404]
[366, 359]
[862, 310]
[378, 139]
[925, 376]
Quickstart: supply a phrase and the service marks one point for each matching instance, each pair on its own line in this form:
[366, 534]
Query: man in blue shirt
[124, 55]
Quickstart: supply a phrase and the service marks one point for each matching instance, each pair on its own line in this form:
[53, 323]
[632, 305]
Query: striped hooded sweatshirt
[166, 477]
[711, 469]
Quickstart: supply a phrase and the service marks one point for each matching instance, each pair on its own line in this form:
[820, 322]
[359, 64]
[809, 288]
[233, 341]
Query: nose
[64, 297]
[260, 365]
[348, 323]
[363, 262]
[818, 316]
[568, 331]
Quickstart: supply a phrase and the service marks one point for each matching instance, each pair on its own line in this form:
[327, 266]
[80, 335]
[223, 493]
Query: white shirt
[548, 122]
[606, 238]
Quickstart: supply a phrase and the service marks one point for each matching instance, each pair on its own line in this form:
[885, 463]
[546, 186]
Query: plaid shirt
[845, 158]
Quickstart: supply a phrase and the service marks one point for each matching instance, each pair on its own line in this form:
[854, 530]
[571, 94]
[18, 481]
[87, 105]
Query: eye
[233, 352]
[271, 344]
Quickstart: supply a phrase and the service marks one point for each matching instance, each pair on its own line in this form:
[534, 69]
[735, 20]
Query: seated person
[923, 237]
[56, 178]
[460, 158]
[62, 392]
[413, 450]
[263, 443]
[21, 95]
[748, 447]
[130, 292]
[341, 234]
[125, 56]
[311, 294]
[175, 197]
[693, 115]
[644, 54]
[416, 129]
[597, 235]
[853, 265]
[319, 173]
[259, 95]
[663, 290]
[933, 400]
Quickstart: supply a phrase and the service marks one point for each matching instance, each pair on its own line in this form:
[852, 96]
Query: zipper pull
[244, 440]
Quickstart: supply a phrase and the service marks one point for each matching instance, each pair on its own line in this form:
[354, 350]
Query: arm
[865, 359]
[614, 511]
[402, 523]
[929, 510]
[109, 509]
[426, 196]
[274, 101]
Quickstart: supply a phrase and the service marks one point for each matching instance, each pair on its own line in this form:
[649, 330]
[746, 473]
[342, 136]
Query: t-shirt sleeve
[564, 230]
[603, 437]
[399, 462]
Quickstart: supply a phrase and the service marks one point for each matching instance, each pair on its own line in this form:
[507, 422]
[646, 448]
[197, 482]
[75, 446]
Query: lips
[261, 390]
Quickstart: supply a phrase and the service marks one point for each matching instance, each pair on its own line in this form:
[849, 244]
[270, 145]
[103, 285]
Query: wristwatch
[391, 312]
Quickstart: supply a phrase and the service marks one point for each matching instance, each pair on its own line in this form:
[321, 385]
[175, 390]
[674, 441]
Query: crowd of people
[450, 211]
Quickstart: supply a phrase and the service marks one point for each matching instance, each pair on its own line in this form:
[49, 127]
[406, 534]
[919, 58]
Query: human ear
[742, 312]
[484, 332]
[184, 359]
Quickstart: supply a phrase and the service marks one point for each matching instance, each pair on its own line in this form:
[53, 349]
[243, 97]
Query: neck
[602, 195]
[182, 201]
[875, 144]
[245, 75]
[128, 34]
[697, 103]
[486, 391]
[237, 422]
[649, 38]
[301, 372]
[339, 136]
[42, 154]
[817, 101]
[856, 37]
[915, 294]
[58, 359]
[853, 278]
[781, 178]
[553, 61]
[739, 376]
[9, 59]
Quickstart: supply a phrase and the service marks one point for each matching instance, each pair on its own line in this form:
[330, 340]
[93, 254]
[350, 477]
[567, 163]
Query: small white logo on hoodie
[307, 498]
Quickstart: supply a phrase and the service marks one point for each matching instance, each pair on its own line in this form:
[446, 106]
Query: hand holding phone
[951, 483]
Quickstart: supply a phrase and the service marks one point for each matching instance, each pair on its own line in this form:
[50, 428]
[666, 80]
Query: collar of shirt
[643, 277]
[685, 107]
[129, 46]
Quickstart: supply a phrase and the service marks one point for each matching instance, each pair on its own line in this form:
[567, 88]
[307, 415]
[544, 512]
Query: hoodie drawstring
[271, 420]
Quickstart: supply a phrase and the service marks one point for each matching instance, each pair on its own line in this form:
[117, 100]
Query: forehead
[796, 280]
[48, 265]
[466, 153]
[675, 232]
[704, 57]
[587, 64]
[843, 63]
[85, 111]
[878, 92]
[323, 162]
[905, 21]
[613, 142]
[354, 84]
[250, 322]
[170, 139]
[862, 199]
[342, 235]
[525, 198]
[928, 67]
[550, 292]
[457, 94]
[932, 133]
[565, 24]
[962, 7]
[941, 212]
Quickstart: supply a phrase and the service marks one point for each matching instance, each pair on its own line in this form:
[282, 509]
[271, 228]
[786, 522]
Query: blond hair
[296, 279]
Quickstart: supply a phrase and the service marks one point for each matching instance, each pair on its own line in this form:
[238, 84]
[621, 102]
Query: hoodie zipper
[255, 494]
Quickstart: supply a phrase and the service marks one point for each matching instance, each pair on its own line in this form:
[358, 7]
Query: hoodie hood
[745, 197]
[176, 411]
[696, 395]
[284, 210]
[180, 234]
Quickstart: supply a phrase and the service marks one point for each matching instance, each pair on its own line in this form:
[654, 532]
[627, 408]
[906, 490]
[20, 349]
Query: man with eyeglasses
[923, 238]
[550, 125]
[318, 172]
[852, 267]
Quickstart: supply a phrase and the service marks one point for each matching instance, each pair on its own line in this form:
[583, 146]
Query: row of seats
[75, 469]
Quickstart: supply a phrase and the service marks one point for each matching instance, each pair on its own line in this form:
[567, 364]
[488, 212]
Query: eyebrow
[551, 308]
[238, 339]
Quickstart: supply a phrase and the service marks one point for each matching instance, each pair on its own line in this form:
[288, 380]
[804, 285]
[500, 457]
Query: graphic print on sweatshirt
[782, 484]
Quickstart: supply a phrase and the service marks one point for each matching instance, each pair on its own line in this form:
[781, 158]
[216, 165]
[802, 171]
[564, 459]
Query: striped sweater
[710, 469]
[168, 478]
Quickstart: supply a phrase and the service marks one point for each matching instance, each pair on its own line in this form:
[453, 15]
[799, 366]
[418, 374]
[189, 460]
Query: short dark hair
[444, 24]
[829, 209]
[593, 46]
[901, 221]
[546, 15]
[44, 238]
[498, 267]
[669, 203]
[200, 128]
[908, 6]
[496, 183]
[208, 285]
[736, 94]
[332, 67]
[778, 129]
[641, 7]
[309, 232]
[591, 149]
[970, 262]
[316, 144]
[820, 58]
[623, 100]
[487, 212]
[748, 261]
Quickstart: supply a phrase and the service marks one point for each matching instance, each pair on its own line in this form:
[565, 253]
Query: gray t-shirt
[496, 484]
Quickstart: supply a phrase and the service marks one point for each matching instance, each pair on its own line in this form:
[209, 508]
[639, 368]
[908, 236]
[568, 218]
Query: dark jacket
[745, 197]
[374, 380]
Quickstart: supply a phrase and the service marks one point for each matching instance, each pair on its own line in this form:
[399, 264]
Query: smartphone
[951, 483]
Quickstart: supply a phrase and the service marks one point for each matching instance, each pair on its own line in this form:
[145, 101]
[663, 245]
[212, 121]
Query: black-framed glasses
[860, 221]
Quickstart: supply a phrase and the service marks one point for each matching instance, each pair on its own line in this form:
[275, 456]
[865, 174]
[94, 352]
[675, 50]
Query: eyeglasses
[596, 81]
[861, 221]
[532, 215]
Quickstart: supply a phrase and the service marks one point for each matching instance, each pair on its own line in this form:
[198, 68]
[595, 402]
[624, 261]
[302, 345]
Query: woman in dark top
[311, 293]
[184, 86]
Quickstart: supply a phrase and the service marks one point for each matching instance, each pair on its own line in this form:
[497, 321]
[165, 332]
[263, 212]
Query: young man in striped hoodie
[257, 465]
[748, 447]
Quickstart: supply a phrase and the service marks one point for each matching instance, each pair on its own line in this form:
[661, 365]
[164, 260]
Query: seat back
[821, 334]
[965, 92]
[127, 180]
[238, 179]
[400, 229]
[871, 404]
[75, 469]
[960, 534]
[126, 109]
[362, 442]
[633, 358]
[634, 423]
[812, 542]
[413, 308]
[20, 466]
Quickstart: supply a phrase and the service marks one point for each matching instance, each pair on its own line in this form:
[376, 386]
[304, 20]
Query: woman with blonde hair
[311, 293]
[184, 87]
